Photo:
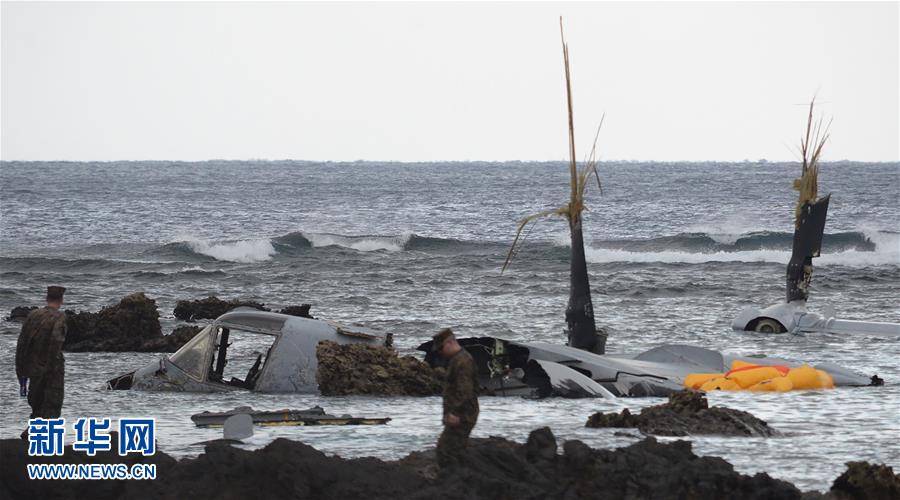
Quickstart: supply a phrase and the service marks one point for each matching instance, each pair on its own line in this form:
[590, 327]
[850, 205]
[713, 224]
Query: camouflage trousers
[452, 444]
[45, 393]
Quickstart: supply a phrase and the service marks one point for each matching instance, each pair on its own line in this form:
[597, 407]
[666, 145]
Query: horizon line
[761, 161]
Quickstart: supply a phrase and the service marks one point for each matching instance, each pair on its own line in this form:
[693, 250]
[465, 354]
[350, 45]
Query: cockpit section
[250, 350]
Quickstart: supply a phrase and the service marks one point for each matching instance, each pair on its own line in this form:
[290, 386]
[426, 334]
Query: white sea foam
[729, 230]
[360, 243]
[887, 252]
[238, 251]
[853, 258]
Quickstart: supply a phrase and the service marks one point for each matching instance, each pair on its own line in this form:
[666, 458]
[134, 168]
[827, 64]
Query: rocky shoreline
[494, 468]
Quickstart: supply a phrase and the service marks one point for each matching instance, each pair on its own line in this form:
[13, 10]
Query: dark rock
[865, 480]
[132, 325]
[619, 420]
[687, 402]
[19, 313]
[287, 469]
[301, 311]
[492, 468]
[14, 482]
[362, 369]
[686, 413]
[540, 449]
[210, 308]
[180, 336]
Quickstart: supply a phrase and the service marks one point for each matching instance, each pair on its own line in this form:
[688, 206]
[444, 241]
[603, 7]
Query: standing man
[460, 398]
[39, 356]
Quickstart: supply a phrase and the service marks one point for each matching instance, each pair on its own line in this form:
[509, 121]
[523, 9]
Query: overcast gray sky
[392, 81]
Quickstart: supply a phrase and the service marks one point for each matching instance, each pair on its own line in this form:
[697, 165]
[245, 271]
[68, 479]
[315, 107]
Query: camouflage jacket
[461, 388]
[40, 344]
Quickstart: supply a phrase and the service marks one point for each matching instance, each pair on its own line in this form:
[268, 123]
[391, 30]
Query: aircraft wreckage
[581, 368]
[216, 359]
[792, 316]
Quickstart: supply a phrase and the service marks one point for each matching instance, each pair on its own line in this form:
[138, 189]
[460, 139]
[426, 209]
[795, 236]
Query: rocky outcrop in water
[492, 468]
[687, 412]
[300, 311]
[210, 308]
[132, 325]
[362, 369]
[19, 313]
[864, 480]
[180, 336]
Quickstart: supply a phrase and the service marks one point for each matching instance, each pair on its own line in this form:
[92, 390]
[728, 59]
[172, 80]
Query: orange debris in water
[760, 378]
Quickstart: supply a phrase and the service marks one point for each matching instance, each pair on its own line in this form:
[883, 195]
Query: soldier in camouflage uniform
[39, 356]
[460, 398]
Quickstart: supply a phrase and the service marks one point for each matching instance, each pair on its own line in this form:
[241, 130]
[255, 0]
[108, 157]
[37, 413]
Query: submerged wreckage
[809, 227]
[539, 369]
[279, 349]
[581, 368]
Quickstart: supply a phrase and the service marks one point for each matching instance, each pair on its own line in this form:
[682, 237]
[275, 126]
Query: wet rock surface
[300, 311]
[210, 308]
[686, 412]
[492, 468]
[180, 336]
[19, 313]
[362, 369]
[132, 325]
[865, 480]
[14, 482]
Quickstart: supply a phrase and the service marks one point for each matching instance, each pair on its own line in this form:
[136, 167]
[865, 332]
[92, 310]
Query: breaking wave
[261, 250]
[854, 249]
[360, 243]
[245, 251]
[406, 241]
[757, 240]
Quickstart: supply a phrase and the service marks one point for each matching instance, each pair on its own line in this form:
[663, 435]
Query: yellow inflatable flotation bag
[807, 377]
[777, 384]
[740, 364]
[750, 375]
[760, 378]
[825, 380]
[720, 384]
[695, 380]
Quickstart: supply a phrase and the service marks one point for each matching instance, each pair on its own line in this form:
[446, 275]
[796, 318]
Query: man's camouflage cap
[437, 341]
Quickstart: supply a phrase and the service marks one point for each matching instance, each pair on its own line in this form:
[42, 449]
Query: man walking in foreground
[39, 356]
[460, 398]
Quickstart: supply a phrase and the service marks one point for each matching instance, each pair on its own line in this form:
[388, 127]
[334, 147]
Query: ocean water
[675, 251]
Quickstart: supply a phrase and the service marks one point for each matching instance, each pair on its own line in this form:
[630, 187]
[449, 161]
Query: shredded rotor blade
[578, 179]
[811, 145]
[519, 240]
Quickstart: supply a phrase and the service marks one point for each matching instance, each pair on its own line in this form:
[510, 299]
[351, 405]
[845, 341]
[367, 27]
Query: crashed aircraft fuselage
[280, 351]
[538, 369]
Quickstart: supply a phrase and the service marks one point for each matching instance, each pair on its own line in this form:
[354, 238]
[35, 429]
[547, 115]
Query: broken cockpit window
[238, 357]
[192, 355]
